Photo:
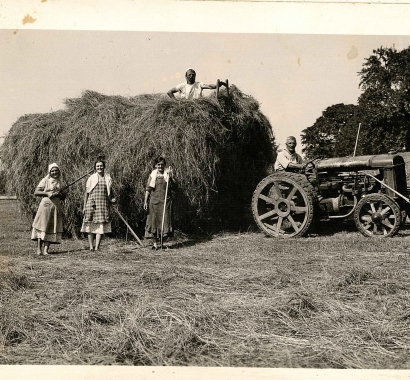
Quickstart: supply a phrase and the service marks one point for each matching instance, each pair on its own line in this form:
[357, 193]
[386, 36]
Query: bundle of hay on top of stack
[219, 150]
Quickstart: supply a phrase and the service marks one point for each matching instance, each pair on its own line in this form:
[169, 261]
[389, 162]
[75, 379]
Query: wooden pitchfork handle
[165, 205]
[72, 183]
[128, 226]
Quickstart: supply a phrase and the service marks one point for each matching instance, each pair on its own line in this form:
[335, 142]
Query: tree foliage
[333, 134]
[383, 110]
[384, 104]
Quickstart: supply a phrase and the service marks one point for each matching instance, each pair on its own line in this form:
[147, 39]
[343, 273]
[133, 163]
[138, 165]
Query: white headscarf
[49, 182]
[53, 165]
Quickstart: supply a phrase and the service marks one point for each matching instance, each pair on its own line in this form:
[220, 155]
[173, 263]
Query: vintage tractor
[372, 190]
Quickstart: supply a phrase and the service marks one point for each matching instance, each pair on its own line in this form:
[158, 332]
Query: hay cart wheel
[283, 205]
[377, 215]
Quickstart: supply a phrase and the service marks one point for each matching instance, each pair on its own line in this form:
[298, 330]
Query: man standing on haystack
[190, 89]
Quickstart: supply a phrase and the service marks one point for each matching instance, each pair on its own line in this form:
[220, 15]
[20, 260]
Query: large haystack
[219, 150]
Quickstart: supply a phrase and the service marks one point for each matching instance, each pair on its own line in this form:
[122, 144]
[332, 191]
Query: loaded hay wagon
[371, 190]
[218, 146]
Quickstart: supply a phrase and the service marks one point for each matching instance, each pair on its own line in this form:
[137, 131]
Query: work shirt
[190, 91]
[284, 158]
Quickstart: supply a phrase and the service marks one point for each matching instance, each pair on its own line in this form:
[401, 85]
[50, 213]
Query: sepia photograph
[183, 200]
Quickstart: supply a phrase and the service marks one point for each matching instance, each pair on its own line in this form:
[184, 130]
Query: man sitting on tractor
[288, 159]
[190, 89]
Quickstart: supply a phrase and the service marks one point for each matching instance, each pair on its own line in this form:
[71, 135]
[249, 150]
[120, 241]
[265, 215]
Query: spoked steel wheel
[283, 205]
[377, 215]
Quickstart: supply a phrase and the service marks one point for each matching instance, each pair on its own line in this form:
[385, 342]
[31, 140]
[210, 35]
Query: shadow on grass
[56, 253]
[189, 242]
[333, 226]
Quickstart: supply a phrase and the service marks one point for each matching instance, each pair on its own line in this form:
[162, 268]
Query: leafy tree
[384, 104]
[333, 134]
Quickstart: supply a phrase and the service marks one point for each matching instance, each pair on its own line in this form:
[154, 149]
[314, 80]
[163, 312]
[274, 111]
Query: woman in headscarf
[48, 222]
[155, 192]
[97, 197]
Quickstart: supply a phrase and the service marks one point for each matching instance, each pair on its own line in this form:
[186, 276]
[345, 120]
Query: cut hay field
[337, 300]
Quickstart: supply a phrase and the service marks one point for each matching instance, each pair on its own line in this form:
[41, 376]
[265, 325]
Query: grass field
[337, 300]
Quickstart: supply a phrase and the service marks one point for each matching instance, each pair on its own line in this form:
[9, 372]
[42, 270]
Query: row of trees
[383, 111]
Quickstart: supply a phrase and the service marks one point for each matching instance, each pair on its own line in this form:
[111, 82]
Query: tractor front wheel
[377, 215]
[283, 205]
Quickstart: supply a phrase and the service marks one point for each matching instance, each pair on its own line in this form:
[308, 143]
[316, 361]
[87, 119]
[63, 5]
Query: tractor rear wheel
[283, 205]
[377, 215]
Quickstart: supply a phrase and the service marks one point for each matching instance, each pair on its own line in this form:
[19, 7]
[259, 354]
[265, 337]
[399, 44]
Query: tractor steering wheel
[309, 166]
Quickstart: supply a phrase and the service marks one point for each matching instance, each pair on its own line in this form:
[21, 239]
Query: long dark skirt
[156, 211]
[154, 221]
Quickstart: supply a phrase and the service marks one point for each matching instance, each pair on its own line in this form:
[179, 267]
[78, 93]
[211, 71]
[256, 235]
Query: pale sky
[294, 76]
